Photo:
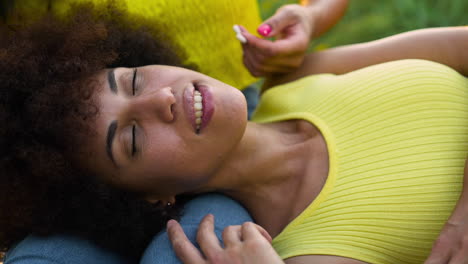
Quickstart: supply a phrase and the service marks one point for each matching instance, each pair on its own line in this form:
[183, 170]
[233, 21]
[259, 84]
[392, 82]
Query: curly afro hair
[45, 97]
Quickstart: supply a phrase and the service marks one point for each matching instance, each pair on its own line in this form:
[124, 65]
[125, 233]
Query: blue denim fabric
[63, 249]
[226, 211]
[60, 249]
[251, 94]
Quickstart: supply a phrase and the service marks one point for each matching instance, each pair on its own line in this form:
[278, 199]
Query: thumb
[252, 231]
[275, 24]
[264, 233]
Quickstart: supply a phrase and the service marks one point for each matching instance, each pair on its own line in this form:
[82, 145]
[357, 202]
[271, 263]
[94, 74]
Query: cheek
[232, 116]
[237, 104]
[174, 161]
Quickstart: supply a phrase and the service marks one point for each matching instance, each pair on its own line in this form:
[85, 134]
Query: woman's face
[148, 138]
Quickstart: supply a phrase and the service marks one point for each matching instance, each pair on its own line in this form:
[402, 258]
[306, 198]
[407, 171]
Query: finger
[267, 66]
[232, 235]
[259, 69]
[251, 69]
[259, 44]
[264, 233]
[182, 246]
[283, 18]
[249, 64]
[457, 219]
[460, 213]
[285, 63]
[260, 65]
[461, 257]
[256, 60]
[441, 251]
[207, 238]
[296, 41]
[272, 69]
[295, 45]
[252, 231]
[433, 260]
[257, 55]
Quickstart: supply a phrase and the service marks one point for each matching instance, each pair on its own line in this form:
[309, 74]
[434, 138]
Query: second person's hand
[452, 244]
[247, 243]
[291, 27]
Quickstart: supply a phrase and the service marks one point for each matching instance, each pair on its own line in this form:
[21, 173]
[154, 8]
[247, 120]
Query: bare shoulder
[322, 259]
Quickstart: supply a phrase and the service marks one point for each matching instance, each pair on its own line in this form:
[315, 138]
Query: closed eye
[133, 141]
[134, 81]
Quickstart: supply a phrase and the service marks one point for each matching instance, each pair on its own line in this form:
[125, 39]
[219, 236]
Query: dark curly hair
[45, 98]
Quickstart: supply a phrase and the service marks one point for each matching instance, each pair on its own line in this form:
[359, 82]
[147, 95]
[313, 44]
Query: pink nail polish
[264, 30]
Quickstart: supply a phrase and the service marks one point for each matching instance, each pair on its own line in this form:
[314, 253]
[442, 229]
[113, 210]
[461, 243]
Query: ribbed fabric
[202, 27]
[397, 136]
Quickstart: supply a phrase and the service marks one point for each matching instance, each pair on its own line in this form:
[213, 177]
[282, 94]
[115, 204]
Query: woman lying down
[357, 156]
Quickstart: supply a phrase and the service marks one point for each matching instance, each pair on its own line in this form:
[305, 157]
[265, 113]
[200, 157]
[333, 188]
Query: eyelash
[133, 141]
[134, 150]
[134, 80]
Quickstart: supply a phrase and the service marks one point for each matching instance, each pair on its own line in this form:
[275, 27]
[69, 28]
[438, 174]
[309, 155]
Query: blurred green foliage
[367, 20]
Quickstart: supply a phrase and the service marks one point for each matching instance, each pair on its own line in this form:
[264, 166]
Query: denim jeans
[61, 249]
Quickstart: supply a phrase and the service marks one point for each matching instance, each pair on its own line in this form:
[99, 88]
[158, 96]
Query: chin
[241, 103]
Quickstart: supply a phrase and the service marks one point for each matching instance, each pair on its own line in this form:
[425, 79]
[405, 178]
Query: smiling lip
[208, 106]
[207, 103]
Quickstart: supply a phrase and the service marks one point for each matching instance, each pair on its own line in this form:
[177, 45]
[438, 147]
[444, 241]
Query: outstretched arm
[325, 14]
[448, 46]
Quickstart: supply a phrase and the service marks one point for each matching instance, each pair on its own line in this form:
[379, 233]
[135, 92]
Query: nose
[156, 103]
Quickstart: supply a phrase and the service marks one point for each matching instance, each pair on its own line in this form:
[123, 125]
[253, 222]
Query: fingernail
[264, 30]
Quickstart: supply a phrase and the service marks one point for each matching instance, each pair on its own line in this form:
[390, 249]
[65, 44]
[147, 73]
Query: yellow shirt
[203, 28]
[397, 136]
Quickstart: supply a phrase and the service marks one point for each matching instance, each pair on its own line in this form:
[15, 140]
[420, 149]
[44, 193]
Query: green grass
[367, 20]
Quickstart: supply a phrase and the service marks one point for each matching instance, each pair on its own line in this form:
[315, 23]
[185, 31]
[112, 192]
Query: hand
[292, 28]
[248, 243]
[452, 245]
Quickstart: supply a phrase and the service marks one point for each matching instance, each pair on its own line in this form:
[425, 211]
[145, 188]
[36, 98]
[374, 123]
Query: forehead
[93, 148]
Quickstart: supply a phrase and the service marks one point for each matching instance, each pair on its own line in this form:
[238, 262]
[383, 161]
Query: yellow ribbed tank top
[397, 136]
[203, 28]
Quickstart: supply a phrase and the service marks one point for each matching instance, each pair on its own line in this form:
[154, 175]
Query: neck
[267, 173]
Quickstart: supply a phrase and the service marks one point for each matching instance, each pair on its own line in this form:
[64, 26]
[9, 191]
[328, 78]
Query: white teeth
[198, 106]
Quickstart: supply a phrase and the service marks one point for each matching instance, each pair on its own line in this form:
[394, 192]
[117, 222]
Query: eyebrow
[111, 80]
[110, 138]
